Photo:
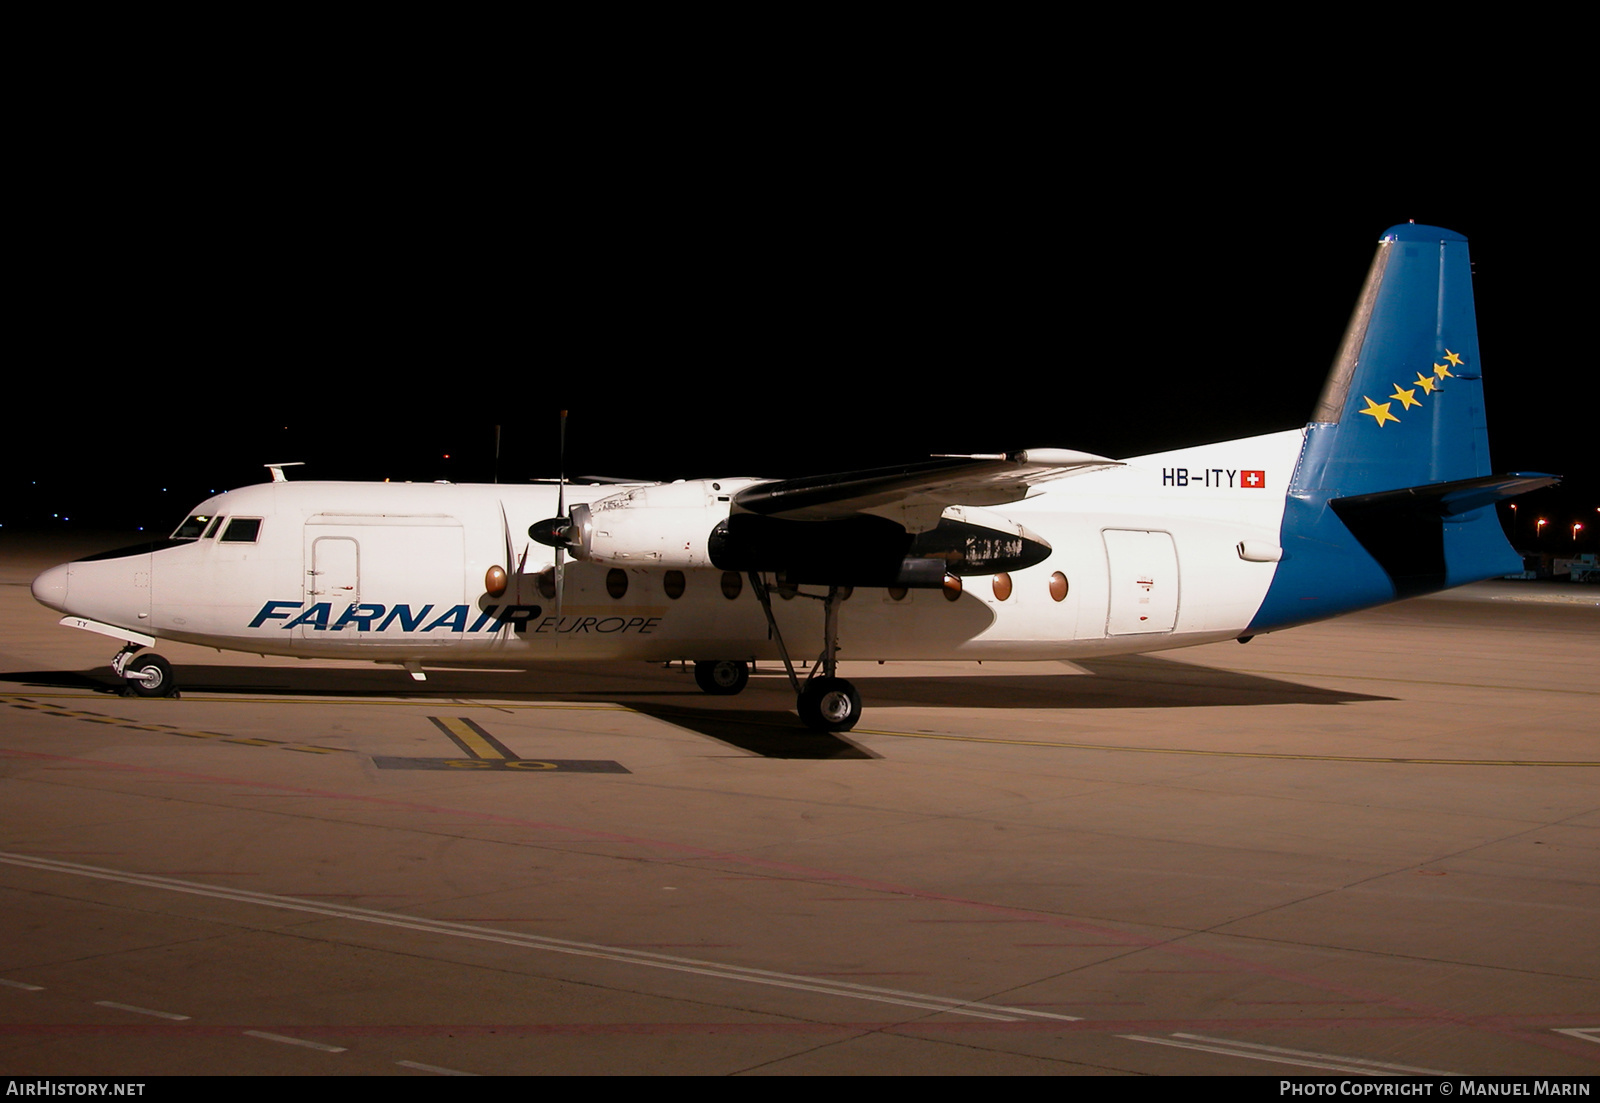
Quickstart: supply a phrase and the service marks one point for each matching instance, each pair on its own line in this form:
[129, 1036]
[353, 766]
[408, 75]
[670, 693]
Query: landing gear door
[1144, 582]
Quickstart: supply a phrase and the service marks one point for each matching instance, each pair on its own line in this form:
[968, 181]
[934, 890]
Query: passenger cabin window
[242, 530]
[193, 527]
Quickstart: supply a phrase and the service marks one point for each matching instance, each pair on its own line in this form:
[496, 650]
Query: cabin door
[333, 579]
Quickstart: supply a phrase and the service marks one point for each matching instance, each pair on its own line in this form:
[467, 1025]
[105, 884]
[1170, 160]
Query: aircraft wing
[916, 494]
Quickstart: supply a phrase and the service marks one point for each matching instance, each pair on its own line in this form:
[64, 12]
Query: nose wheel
[146, 675]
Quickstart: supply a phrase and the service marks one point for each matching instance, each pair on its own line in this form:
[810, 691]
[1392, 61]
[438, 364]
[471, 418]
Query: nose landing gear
[146, 676]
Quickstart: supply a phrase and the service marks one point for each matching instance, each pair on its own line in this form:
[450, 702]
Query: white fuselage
[1169, 550]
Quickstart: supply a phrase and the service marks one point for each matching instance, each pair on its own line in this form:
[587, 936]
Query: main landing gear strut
[146, 676]
[825, 702]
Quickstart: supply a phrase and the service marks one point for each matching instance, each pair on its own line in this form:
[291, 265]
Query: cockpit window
[242, 530]
[211, 529]
[193, 527]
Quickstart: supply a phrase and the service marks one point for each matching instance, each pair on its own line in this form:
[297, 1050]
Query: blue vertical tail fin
[1403, 405]
[1393, 495]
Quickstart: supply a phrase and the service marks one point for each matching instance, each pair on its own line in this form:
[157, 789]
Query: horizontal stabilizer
[1426, 538]
[1446, 499]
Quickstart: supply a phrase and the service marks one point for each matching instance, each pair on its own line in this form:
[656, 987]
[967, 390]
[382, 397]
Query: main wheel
[722, 679]
[150, 676]
[829, 704]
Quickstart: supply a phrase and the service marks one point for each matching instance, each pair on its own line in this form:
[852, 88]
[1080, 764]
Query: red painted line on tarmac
[749, 877]
[1295, 1003]
[1412, 1008]
[1012, 919]
[1069, 945]
[1175, 972]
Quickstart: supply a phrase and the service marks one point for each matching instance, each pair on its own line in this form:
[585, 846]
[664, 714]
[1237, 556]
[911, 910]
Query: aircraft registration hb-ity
[1040, 554]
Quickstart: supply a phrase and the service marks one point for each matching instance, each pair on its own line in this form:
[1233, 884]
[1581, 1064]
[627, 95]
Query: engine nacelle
[688, 525]
[665, 526]
[867, 550]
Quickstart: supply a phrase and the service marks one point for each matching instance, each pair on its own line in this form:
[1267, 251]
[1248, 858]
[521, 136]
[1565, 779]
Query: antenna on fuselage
[277, 470]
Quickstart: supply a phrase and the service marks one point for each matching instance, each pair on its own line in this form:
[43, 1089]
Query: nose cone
[50, 588]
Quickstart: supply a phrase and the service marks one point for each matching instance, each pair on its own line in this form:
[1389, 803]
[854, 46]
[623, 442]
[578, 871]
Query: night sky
[752, 322]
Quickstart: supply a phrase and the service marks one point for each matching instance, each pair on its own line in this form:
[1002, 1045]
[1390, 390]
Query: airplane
[1043, 554]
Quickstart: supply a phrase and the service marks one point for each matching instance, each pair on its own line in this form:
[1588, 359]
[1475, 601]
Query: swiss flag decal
[1255, 480]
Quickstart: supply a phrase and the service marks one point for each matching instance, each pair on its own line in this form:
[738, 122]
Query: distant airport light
[1538, 530]
[1576, 526]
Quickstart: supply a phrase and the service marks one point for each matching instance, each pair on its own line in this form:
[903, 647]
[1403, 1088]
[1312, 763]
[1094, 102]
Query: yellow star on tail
[1379, 411]
[1452, 358]
[1406, 395]
[1426, 384]
[1441, 371]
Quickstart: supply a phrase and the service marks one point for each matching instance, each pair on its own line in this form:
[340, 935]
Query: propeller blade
[495, 579]
[561, 511]
[505, 528]
[560, 556]
[561, 467]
